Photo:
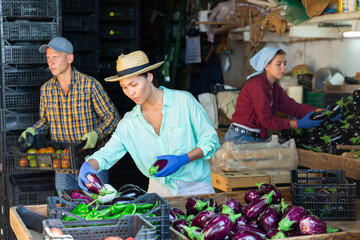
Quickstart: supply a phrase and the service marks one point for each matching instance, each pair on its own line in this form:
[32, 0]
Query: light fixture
[351, 34]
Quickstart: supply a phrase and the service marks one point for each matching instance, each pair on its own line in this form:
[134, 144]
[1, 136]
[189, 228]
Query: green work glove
[23, 134]
[92, 138]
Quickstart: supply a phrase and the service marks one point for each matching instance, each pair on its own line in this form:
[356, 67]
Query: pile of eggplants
[325, 138]
[265, 216]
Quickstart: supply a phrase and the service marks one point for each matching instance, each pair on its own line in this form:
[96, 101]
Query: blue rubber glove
[175, 162]
[307, 123]
[337, 117]
[84, 171]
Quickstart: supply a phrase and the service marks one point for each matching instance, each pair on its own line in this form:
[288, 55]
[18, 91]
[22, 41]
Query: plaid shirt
[85, 108]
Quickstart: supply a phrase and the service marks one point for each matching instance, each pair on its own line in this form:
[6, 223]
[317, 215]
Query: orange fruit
[50, 150]
[23, 161]
[65, 163]
[42, 150]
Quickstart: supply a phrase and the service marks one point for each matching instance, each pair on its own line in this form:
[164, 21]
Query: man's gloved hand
[307, 123]
[337, 117]
[23, 134]
[175, 162]
[84, 171]
[92, 138]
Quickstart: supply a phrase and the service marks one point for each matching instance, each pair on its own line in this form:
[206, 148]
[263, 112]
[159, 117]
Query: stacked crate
[24, 26]
[80, 25]
[119, 23]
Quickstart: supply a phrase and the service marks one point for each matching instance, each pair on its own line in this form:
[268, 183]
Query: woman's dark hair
[279, 52]
[155, 79]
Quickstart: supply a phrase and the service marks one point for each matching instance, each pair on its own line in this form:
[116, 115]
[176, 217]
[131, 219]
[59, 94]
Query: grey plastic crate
[25, 30]
[22, 54]
[79, 23]
[78, 6]
[119, 31]
[117, 48]
[30, 8]
[21, 100]
[128, 226]
[17, 120]
[25, 77]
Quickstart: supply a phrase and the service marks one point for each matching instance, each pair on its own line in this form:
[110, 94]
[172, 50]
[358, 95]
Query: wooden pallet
[237, 181]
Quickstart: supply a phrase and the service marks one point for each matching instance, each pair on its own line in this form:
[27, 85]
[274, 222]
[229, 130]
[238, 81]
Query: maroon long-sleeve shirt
[256, 107]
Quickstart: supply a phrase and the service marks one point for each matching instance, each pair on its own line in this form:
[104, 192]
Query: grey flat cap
[59, 44]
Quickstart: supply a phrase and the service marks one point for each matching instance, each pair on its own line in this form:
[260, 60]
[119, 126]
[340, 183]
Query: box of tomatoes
[48, 155]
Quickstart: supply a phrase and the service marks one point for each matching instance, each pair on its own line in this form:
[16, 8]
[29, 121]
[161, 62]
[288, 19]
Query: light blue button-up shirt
[185, 125]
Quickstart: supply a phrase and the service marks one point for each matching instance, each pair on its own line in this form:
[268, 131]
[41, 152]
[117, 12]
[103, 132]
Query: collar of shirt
[74, 79]
[168, 101]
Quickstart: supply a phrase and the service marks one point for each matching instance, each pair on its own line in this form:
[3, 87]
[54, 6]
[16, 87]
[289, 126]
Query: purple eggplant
[132, 192]
[243, 209]
[234, 204]
[77, 194]
[265, 188]
[250, 228]
[292, 218]
[293, 232]
[192, 232]
[312, 225]
[215, 207]
[157, 166]
[251, 196]
[179, 224]
[275, 234]
[247, 235]
[121, 200]
[217, 228]
[270, 217]
[202, 218]
[254, 223]
[95, 185]
[256, 207]
[172, 216]
[194, 205]
[241, 221]
[178, 212]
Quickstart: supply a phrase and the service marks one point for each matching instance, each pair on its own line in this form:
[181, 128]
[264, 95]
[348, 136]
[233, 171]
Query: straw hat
[301, 69]
[132, 64]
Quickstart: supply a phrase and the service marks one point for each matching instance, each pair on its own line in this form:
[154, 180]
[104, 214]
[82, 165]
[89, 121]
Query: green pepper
[82, 208]
[129, 210]
[120, 207]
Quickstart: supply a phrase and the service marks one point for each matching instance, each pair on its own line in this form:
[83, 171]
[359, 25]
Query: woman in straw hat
[164, 124]
[261, 98]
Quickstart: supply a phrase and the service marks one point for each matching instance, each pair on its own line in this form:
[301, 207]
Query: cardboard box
[345, 88]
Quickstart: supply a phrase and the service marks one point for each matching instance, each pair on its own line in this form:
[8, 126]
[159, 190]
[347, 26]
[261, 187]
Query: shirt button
[65, 117]
[64, 105]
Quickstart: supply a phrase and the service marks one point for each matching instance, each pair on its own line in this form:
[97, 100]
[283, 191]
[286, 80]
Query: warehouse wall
[342, 54]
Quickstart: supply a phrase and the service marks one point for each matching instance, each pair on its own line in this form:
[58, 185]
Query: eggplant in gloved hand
[95, 185]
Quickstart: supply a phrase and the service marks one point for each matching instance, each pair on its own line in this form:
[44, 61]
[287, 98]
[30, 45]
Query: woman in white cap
[261, 98]
[165, 124]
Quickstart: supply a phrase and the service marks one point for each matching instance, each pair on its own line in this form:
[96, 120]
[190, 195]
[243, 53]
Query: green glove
[92, 138]
[23, 134]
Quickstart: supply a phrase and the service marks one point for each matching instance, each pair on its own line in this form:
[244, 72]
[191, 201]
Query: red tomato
[130, 238]
[56, 231]
[113, 238]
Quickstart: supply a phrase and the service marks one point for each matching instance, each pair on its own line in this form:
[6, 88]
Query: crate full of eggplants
[324, 139]
[265, 216]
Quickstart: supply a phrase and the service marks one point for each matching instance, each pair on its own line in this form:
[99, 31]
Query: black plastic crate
[115, 49]
[66, 157]
[160, 222]
[119, 12]
[119, 31]
[31, 188]
[84, 42]
[17, 120]
[26, 77]
[25, 30]
[29, 8]
[8, 140]
[86, 63]
[9, 164]
[21, 99]
[80, 23]
[326, 193]
[76, 6]
[23, 54]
